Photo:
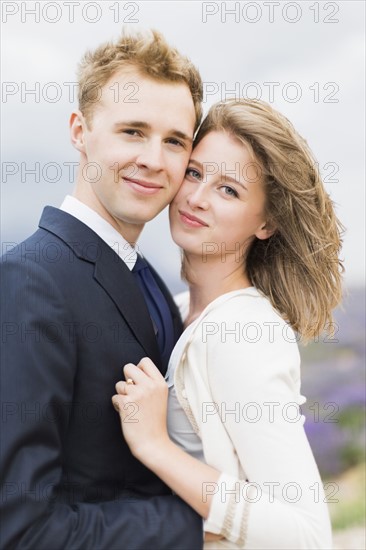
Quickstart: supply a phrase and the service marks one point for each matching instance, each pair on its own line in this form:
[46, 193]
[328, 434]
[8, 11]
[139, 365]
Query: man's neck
[130, 232]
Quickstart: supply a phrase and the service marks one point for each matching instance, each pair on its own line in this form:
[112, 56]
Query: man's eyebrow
[181, 135]
[134, 123]
[146, 126]
[226, 178]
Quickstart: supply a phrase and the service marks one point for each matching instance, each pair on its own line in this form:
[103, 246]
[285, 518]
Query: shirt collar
[102, 228]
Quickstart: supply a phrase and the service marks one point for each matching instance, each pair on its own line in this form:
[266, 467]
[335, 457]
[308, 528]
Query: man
[78, 303]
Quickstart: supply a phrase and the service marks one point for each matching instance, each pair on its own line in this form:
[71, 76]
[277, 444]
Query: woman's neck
[209, 280]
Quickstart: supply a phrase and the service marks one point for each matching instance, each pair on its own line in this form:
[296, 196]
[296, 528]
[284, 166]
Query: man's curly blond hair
[149, 54]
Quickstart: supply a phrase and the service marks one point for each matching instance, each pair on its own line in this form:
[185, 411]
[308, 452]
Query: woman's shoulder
[247, 310]
[246, 316]
[244, 305]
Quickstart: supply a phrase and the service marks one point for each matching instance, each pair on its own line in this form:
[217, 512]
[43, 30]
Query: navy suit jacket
[72, 316]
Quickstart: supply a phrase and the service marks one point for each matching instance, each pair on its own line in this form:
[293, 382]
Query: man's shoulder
[22, 250]
[42, 250]
[59, 235]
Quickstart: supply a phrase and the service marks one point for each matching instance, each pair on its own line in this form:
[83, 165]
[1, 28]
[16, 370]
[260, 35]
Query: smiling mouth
[191, 221]
[143, 187]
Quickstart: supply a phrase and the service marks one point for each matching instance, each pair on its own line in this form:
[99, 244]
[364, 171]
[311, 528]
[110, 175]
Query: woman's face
[219, 208]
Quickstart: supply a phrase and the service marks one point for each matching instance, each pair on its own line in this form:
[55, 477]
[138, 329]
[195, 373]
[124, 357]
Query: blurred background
[307, 60]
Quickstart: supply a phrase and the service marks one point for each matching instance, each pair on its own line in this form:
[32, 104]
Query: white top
[102, 228]
[179, 427]
[237, 378]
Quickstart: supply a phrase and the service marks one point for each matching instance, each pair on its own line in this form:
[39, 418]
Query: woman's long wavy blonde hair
[298, 267]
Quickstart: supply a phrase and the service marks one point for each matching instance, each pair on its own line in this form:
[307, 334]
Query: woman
[260, 245]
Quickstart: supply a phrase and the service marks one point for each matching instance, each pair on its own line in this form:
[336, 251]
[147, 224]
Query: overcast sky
[306, 58]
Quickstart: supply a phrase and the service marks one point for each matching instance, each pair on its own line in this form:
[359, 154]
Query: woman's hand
[141, 402]
[142, 405]
[210, 537]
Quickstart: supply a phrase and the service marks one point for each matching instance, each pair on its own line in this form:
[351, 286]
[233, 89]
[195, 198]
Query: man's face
[135, 150]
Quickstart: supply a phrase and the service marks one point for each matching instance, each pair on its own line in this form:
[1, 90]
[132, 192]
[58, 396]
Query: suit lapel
[117, 280]
[110, 272]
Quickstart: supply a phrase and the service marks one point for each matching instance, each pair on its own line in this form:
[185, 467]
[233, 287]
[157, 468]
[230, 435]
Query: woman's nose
[199, 197]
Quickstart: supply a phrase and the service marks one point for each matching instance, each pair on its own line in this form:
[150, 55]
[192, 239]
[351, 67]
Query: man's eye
[131, 132]
[192, 173]
[176, 142]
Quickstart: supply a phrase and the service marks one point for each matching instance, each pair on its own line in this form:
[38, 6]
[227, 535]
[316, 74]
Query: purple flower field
[333, 380]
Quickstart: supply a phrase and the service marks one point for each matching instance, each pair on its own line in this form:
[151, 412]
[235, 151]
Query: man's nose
[151, 155]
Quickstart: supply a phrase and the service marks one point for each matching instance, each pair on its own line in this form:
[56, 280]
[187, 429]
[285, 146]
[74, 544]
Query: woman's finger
[134, 374]
[116, 403]
[150, 369]
[119, 403]
[121, 387]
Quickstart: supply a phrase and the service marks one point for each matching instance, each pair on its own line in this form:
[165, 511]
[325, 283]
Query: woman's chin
[185, 243]
[180, 239]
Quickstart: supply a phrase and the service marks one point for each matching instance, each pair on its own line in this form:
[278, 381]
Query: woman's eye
[191, 172]
[230, 191]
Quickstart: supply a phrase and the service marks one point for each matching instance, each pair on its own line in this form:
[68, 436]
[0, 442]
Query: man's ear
[265, 231]
[77, 126]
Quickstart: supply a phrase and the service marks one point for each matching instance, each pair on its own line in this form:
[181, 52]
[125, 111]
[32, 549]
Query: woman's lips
[190, 220]
[143, 187]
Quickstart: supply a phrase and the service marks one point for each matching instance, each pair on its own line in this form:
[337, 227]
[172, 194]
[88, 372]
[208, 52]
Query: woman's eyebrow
[235, 181]
[201, 165]
[196, 163]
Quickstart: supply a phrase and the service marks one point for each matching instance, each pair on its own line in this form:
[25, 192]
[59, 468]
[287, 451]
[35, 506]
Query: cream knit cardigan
[238, 381]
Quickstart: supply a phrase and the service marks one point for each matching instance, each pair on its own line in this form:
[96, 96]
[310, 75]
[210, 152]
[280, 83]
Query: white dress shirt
[102, 228]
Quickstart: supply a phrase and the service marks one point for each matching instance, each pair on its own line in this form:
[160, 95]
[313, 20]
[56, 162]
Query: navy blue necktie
[160, 314]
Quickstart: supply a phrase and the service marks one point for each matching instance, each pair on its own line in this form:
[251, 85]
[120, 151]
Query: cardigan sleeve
[253, 374]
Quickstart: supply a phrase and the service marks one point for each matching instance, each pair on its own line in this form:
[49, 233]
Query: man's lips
[142, 186]
[191, 220]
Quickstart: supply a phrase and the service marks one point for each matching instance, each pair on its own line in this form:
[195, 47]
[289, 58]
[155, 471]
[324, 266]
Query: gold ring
[129, 381]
